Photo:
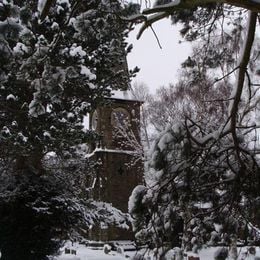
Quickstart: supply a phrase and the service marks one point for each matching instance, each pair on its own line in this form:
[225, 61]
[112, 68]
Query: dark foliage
[35, 217]
[52, 73]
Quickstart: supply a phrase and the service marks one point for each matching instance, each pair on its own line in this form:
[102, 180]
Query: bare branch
[226, 75]
[157, 39]
[149, 21]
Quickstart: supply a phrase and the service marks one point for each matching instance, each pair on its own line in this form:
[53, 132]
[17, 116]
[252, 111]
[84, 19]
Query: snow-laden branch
[176, 5]
[152, 15]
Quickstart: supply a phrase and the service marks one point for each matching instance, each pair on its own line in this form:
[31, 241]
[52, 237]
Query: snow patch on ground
[84, 253]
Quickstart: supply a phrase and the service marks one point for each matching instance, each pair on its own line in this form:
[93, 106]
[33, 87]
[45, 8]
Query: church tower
[118, 155]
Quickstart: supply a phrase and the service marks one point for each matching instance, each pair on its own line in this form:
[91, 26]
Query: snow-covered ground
[84, 253]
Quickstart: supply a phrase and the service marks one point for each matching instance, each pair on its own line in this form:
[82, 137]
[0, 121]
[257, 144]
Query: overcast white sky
[158, 66]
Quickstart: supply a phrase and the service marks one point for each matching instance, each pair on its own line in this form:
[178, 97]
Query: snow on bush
[107, 249]
[135, 197]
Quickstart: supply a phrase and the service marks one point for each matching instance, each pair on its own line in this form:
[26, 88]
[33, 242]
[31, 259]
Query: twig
[232, 71]
[157, 39]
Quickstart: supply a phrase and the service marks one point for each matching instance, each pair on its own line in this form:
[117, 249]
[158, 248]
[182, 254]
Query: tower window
[94, 120]
[120, 117]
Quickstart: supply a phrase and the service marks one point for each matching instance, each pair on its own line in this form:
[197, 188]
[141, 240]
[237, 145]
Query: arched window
[120, 117]
[94, 120]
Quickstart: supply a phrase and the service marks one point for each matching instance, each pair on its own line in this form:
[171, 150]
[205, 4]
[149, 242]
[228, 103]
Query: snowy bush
[107, 249]
[35, 217]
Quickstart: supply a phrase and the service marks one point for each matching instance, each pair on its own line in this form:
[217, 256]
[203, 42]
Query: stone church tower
[119, 155]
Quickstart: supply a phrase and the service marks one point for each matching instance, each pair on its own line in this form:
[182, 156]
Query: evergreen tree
[52, 73]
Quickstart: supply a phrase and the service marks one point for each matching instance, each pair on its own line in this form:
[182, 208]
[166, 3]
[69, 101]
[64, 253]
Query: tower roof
[124, 95]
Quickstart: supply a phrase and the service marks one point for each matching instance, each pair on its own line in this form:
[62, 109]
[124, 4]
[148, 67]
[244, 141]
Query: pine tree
[52, 73]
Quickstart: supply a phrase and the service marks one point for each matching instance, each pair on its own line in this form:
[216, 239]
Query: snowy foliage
[202, 186]
[66, 64]
[53, 72]
[188, 191]
[47, 209]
